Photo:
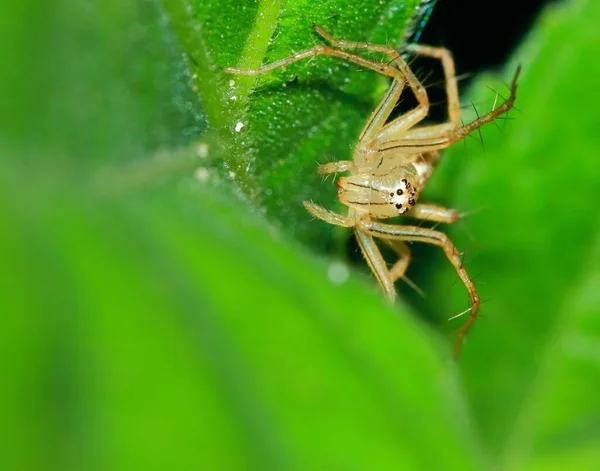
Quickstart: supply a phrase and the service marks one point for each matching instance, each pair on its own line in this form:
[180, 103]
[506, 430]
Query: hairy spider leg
[376, 262]
[320, 50]
[434, 213]
[429, 236]
[433, 139]
[402, 251]
[392, 129]
[329, 216]
[386, 106]
[366, 229]
[367, 245]
[398, 270]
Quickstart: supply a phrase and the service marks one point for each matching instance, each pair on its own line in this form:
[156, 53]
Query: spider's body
[393, 161]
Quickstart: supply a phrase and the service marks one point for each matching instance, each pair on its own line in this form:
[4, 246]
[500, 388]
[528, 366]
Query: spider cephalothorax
[393, 161]
[382, 196]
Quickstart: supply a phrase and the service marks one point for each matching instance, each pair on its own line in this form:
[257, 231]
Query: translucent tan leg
[396, 128]
[488, 117]
[399, 268]
[434, 212]
[419, 234]
[328, 216]
[366, 243]
[375, 260]
[445, 57]
[385, 108]
[380, 67]
[431, 138]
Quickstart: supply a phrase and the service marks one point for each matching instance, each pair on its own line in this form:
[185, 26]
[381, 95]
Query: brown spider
[393, 161]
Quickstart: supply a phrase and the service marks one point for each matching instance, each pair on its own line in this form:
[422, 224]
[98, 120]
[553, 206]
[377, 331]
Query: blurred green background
[168, 304]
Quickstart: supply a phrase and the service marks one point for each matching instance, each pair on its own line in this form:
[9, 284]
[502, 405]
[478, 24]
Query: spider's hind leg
[396, 129]
[385, 108]
[445, 57]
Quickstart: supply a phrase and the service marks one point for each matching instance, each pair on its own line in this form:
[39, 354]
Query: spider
[393, 161]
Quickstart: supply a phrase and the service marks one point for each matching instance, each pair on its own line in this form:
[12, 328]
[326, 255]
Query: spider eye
[399, 192]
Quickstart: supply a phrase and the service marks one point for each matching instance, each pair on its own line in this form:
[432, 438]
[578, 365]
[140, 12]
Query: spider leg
[321, 50]
[445, 57]
[434, 212]
[399, 268]
[486, 118]
[385, 108]
[436, 137]
[328, 216]
[419, 234]
[366, 243]
[397, 127]
[375, 260]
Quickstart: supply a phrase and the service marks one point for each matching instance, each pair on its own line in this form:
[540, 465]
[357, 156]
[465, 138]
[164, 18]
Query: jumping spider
[393, 161]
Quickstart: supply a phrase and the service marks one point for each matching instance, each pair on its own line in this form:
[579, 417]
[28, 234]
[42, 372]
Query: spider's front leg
[322, 50]
[368, 247]
[434, 213]
[329, 216]
[429, 236]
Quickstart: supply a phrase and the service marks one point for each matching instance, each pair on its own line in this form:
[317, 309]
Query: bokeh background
[167, 303]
